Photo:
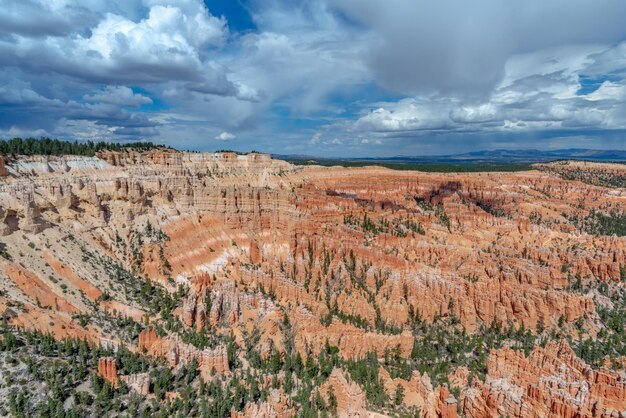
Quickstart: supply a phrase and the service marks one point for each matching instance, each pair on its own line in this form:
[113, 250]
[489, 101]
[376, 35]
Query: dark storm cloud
[25, 107]
[461, 47]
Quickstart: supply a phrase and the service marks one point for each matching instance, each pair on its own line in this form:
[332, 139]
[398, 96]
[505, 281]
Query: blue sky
[317, 77]
[235, 11]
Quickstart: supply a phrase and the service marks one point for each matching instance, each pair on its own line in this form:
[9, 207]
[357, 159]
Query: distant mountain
[487, 156]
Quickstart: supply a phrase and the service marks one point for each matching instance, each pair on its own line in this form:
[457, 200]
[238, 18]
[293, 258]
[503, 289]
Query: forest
[50, 146]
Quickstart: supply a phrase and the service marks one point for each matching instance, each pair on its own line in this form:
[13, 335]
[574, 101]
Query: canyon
[360, 291]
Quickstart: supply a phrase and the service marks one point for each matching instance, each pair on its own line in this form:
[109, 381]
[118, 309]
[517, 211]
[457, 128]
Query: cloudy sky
[317, 77]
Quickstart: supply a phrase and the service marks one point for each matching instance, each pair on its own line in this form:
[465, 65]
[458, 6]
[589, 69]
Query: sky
[317, 77]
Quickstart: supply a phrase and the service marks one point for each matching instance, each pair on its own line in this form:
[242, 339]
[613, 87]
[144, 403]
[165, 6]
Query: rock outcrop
[350, 396]
[277, 406]
[551, 381]
[3, 169]
[139, 382]
[108, 370]
[175, 351]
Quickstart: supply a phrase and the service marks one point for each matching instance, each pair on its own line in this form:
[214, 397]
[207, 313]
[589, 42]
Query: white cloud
[152, 44]
[58, 18]
[368, 141]
[530, 98]
[608, 91]
[21, 94]
[170, 42]
[406, 115]
[301, 56]
[14, 131]
[315, 139]
[225, 136]
[118, 95]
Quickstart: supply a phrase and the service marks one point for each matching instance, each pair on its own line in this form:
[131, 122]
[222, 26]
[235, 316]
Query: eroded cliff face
[284, 259]
[176, 352]
[3, 169]
[550, 382]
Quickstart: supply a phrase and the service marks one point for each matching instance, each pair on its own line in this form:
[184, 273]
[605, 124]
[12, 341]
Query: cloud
[529, 98]
[315, 139]
[21, 94]
[460, 47]
[29, 108]
[608, 91]
[302, 55]
[41, 18]
[54, 52]
[216, 82]
[170, 42]
[367, 141]
[329, 76]
[118, 95]
[406, 115]
[225, 136]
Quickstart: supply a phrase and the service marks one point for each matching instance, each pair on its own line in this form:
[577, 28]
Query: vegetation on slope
[595, 177]
[598, 223]
[49, 146]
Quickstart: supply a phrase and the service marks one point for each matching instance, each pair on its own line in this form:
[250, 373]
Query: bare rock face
[446, 404]
[350, 397]
[148, 339]
[63, 197]
[139, 382]
[108, 370]
[352, 341]
[551, 381]
[31, 222]
[4, 227]
[419, 392]
[43, 295]
[278, 405]
[255, 252]
[172, 349]
[3, 169]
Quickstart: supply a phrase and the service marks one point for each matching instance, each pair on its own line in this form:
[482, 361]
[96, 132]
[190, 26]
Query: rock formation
[3, 169]
[351, 399]
[272, 257]
[108, 370]
[172, 349]
[277, 406]
[139, 382]
[551, 381]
